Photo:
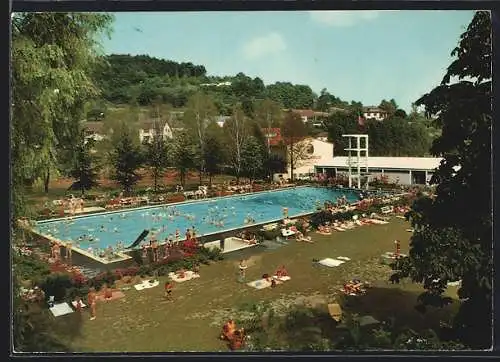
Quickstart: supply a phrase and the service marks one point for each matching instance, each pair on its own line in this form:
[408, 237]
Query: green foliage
[84, 166]
[293, 131]
[156, 157]
[290, 95]
[453, 238]
[392, 137]
[252, 158]
[184, 154]
[56, 284]
[29, 267]
[236, 131]
[52, 54]
[214, 153]
[126, 158]
[141, 78]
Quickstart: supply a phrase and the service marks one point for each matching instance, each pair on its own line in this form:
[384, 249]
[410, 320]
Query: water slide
[139, 239]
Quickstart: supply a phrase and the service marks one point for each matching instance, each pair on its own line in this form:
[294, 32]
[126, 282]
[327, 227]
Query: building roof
[400, 163]
[150, 123]
[309, 113]
[373, 109]
[273, 134]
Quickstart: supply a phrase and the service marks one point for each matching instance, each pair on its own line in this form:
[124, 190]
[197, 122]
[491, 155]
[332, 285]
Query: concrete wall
[323, 153]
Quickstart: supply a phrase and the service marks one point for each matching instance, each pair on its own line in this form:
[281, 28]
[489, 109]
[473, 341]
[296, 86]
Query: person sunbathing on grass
[281, 272]
[300, 237]
[181, 273]
[228, 330]
[324, 229]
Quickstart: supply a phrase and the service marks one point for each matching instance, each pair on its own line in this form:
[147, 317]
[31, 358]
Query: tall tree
[389, 106]
[252, 158]
[453, 231]
[200, 111]
[236, 130]
[184, 153]
[156, 156]
[126, 158]
[293, 131]
[85, 167]
[52, 58]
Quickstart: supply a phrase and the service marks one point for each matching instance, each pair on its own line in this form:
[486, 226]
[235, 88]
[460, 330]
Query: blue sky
[357, 55]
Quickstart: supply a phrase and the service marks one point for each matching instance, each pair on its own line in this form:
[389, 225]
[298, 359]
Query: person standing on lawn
[92, 301]
[169, 285]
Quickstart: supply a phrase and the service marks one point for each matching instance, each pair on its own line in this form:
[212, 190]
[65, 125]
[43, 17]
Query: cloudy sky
[357, 55]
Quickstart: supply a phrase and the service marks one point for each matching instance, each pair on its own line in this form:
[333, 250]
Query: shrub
[56, 285]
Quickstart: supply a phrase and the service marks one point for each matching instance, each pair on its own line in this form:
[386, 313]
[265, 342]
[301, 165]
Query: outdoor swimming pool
[207, 216]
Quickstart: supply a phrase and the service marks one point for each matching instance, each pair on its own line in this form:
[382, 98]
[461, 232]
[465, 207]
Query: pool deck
[85, 210]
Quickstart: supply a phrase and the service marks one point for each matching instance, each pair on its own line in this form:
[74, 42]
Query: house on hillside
[221, 120]
[308, 115]
[273, 136]
[314, 151]
[374, 113]
[149, 127]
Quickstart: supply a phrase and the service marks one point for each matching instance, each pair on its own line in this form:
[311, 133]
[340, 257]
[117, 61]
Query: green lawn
[144, 322]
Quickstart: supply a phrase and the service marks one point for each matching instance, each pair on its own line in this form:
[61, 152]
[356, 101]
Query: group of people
[353, 287]
[55, 251]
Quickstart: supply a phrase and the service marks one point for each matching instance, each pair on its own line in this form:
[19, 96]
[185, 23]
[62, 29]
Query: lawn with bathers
[144, 321]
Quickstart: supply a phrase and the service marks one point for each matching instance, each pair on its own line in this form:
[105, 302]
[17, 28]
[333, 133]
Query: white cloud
[343, 18]
[272, 43]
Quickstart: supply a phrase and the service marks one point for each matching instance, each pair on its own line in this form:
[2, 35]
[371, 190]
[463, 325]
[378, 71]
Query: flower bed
[65, 283]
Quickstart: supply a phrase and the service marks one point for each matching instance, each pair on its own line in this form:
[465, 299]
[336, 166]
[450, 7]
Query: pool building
[405, 170]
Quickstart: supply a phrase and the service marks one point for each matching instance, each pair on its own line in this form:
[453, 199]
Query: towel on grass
[188, 276]
[329, 262]
[146, 285]
[61, 309]
[75, 302]
[259, 284]
[343, 258]
[282, 279]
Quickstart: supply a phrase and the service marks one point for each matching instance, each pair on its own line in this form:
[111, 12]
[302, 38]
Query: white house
[404, 170]
[374, 113]
[148, 129]
[316, 151]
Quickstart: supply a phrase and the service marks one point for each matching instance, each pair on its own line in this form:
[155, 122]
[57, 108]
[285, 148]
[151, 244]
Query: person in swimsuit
[154, 248]
[168, 290]
[92, 301]
[69, 247]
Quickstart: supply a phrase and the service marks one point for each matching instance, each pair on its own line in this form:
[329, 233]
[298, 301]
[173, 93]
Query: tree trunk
[201, 176]
[155, 180]
[210, 180]
[291, 162]
[46, 182]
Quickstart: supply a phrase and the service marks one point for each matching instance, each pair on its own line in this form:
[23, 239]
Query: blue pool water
[208, 216]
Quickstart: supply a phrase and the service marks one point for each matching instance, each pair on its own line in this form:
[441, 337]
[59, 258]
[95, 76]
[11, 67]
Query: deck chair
[335, 311]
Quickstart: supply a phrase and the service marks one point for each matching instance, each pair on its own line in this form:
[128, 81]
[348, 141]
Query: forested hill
[141, 79]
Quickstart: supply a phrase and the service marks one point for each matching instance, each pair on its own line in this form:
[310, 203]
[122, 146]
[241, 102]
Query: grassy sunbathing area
[144, 321]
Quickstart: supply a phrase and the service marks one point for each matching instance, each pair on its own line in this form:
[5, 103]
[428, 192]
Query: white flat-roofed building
[404, 170]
